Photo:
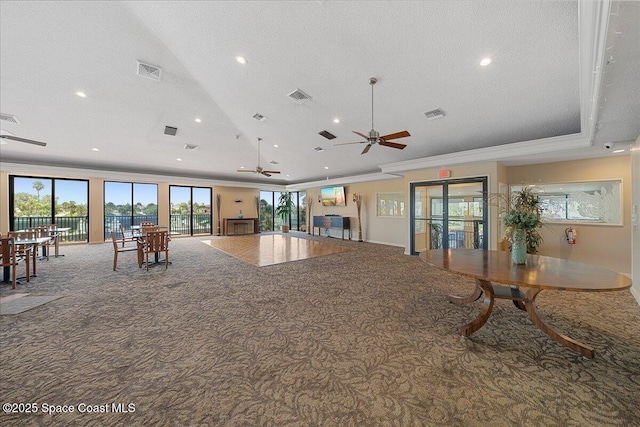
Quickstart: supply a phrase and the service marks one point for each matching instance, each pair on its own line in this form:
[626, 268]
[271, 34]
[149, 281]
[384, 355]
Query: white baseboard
[636, 293]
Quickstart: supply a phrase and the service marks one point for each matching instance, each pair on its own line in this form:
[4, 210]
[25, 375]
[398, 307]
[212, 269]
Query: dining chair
[154, 242]
[126, 236]
[119, 249]
[9, 258]
[44, 231]
[26, 251]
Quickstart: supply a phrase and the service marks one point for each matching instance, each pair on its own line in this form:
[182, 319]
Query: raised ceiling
[563, 80]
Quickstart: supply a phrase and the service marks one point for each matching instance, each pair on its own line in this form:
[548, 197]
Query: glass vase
[519, 246]
[240, 214]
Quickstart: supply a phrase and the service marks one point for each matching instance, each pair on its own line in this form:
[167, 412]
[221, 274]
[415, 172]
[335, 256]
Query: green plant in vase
[284, 209]
[523, 224]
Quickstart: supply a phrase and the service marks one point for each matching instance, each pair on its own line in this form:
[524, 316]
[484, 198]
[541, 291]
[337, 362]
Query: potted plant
[284, 209]
[523, 223]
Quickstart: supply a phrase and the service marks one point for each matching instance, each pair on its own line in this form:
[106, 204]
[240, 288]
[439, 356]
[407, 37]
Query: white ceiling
[565, 79]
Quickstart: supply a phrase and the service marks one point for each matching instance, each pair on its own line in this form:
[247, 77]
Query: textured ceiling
[425, 55]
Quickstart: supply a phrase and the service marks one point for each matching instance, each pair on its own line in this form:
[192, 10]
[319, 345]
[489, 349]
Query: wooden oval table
[538, 274]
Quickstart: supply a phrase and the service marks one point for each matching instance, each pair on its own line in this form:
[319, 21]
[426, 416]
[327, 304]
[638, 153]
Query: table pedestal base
[522, 300]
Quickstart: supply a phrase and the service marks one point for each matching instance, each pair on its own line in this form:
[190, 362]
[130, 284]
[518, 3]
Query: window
[190, 210]
[39, 201]
[269, 221]
[127, 204]
[594, 202]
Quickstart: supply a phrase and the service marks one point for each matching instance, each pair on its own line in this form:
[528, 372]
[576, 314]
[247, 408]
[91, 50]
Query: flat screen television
[333, 196]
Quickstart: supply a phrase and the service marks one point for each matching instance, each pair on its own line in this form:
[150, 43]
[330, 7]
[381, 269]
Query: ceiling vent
[9, 118]
[149, 71]
[191, 147]
[168, 130]
[273, 162]
[299, 97]
[327, 134]
[434, 114]
[259, 117]
[318, 149]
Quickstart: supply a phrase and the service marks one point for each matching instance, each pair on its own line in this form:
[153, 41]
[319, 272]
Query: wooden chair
[117, 249]
[154, 242]
[28, 252]
[44, 231]
[126, 236]
[9, 258]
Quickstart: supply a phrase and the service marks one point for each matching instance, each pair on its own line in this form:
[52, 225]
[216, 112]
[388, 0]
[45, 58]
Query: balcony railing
[79, 226]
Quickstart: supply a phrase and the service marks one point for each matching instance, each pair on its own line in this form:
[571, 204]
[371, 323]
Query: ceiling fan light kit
[374, 136]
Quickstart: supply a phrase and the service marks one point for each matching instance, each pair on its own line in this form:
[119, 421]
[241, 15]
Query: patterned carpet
[361, 338]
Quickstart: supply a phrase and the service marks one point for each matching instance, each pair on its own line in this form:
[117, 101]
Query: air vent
[9, 118]
[318, 149]
[168, 130]
[299, 97]
[327, 134]
[273, 162]
[149, 71]
[259, 117]
[434, 114]
[191, 147]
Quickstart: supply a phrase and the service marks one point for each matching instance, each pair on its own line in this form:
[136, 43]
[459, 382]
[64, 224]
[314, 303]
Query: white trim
[27, 169]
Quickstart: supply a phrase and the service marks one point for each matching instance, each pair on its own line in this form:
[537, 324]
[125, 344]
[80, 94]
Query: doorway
[449, 214]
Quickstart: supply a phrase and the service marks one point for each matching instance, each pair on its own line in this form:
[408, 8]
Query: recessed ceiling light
[618, 151]
[276, 146]
[198, 120]
[95, 149]
[179, 159]
[326, 167]
[288, 175]
[485, 62]
[241, 167]
[241, 60]
[336, 120]
[81, 94]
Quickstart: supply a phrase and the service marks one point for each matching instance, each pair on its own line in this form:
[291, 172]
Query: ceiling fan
[259, 168]
[374, 136]
[8, 135]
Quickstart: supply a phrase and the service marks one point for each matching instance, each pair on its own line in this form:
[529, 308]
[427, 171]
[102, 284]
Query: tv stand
[331, 221]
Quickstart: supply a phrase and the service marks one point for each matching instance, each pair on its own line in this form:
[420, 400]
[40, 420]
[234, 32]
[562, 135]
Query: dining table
[34, 243]
[497, 277]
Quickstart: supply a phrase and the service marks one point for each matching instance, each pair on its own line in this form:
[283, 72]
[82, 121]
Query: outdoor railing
[79, 229]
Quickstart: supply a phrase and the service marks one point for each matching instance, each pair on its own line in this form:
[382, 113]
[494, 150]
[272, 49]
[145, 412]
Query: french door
[449, 214]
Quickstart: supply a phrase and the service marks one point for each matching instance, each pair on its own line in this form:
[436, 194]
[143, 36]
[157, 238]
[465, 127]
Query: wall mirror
[586, 202]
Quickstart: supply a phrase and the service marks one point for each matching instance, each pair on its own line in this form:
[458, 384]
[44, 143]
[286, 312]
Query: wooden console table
[341, 222]
[252, 226]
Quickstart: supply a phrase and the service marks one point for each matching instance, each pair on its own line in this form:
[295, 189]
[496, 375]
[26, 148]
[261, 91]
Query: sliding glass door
[127, 204]
[41, 201]
[190, 210]
[449, 214]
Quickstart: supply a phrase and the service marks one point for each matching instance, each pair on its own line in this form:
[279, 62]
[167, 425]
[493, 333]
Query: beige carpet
[272, 249]
[364, 338]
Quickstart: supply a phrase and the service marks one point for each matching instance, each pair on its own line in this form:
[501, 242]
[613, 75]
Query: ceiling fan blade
[245, 170]
[28, 141]
[396, 135]
[361, 134]
[366, 149]
[271, 171]
[347, 143]
[265, 173]
[393, 144]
